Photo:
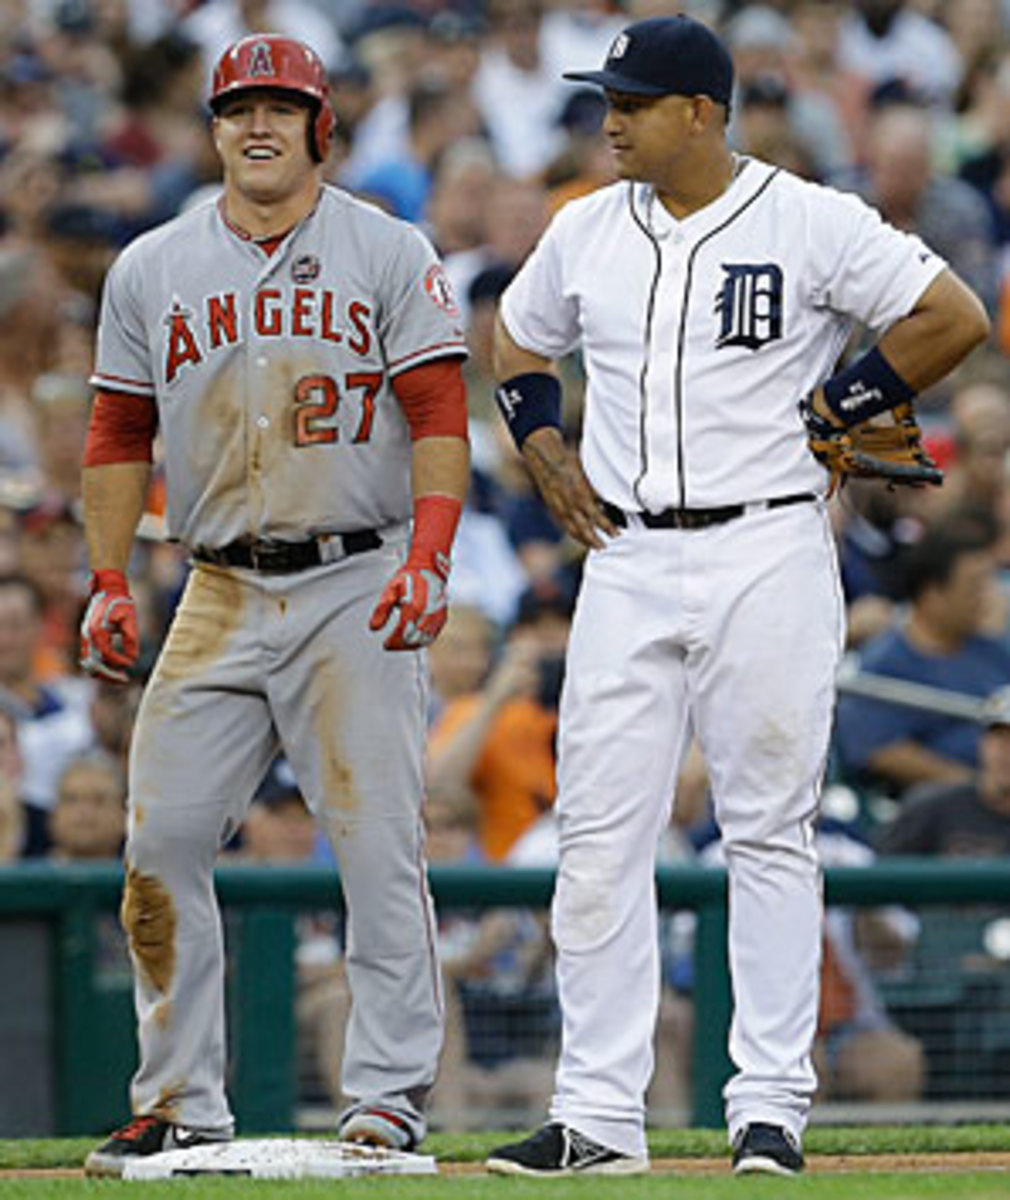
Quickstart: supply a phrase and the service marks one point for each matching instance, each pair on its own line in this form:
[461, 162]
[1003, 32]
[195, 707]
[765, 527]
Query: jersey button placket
[258, 399]
[665, 415]
[262, 421]
[259, 423]
[679, 257]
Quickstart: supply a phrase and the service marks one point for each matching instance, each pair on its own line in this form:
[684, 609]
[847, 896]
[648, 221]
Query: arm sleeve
[534, 308]
[121, 429]
[123, 360]
[433, 399]
[863, 267]
[420, 320]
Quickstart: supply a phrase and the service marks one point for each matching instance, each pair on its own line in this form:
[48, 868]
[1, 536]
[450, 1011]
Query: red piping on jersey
[431, 937]
[129, 385]
[267, 244]
[121, 429]
[433, 399]
[428, 351]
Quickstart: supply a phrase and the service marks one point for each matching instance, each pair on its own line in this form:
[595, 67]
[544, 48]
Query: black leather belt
[275, 557]
[701, 518]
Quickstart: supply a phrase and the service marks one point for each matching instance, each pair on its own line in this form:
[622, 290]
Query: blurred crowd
[454, 116]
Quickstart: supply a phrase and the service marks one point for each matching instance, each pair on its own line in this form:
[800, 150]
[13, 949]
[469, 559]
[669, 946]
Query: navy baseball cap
[665, 56]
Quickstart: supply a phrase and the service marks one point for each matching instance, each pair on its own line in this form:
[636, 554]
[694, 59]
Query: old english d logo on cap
[665, 56]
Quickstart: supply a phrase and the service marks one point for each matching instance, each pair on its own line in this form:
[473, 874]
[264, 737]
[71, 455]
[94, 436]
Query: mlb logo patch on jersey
[305, 268]
[436, 284]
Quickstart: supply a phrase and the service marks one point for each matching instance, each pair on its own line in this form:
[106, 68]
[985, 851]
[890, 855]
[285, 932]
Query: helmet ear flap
[322, 130]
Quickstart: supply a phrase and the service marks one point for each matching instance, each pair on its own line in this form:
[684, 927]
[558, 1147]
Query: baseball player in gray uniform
[300, 353]
[710, 294]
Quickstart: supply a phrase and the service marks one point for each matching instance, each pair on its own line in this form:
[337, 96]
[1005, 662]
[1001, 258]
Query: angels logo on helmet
[260, 61]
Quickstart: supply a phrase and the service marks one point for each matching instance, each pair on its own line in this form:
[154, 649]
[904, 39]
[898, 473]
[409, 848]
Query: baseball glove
[892, 451]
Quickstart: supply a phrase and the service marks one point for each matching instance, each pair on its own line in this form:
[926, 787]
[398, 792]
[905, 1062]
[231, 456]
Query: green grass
[663, 1143]
[680, 1143]
[964, 1186]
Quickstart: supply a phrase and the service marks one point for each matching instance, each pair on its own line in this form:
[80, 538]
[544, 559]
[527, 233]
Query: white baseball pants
[734, 632]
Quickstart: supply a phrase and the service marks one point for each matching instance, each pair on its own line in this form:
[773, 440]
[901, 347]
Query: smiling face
[262, 136]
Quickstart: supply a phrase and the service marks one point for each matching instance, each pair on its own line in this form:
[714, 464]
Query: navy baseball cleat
[761, 1149]
[557, 1150]
[142, 1137]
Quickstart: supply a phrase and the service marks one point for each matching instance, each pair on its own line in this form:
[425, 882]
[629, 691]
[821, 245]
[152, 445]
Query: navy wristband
[528, 402]
[867, 387]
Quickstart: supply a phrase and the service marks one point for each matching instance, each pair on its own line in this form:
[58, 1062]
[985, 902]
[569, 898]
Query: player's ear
[703, 113]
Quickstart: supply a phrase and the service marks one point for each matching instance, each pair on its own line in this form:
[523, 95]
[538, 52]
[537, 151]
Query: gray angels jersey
[273, 373]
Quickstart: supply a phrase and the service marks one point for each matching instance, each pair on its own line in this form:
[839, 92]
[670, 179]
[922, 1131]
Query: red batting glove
[417, 592]
[109, 638]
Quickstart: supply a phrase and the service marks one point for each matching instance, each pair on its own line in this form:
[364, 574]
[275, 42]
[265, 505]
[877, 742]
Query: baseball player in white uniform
[300, 352]
[709, 294]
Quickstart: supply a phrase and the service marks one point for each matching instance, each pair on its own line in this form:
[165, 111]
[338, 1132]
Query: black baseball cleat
[761, 1149]
[142, 1137]
[556, 1150]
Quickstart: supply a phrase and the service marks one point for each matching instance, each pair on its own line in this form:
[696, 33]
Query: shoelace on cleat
[136, 1128]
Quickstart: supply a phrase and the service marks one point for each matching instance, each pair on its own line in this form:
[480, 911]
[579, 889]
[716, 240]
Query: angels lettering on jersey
[301, 313]
[749, 305]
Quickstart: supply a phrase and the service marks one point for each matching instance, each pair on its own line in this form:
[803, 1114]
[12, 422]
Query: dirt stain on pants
[149, 918]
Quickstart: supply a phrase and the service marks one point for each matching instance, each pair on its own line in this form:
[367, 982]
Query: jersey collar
[750, 174]
[267, 244]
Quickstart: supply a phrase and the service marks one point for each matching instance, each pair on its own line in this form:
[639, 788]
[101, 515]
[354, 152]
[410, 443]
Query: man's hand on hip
[109, 638]
[566, 491]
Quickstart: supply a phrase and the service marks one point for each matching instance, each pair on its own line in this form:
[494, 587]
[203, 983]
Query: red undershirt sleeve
[433, 399]
[121, 429]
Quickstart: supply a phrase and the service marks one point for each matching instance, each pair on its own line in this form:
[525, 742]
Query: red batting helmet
[267, 60]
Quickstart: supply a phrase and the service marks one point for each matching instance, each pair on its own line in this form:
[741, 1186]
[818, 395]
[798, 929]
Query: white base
[280, 1158]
